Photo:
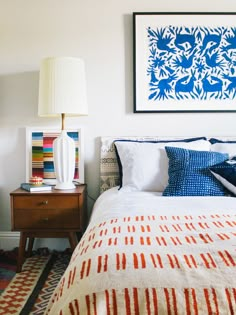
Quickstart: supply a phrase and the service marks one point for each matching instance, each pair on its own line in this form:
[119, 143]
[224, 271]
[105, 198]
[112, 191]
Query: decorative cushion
[228, 146]
[144, 165]
[226, 174]
[189, 173]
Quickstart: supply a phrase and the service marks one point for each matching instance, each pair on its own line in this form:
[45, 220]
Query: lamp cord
[91, 198]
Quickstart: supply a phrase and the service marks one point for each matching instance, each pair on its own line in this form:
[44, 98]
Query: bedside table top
[77, 190]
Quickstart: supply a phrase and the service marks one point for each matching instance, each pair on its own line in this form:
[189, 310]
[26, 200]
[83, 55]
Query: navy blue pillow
[225, 172]
[214, 140]
[189, 173]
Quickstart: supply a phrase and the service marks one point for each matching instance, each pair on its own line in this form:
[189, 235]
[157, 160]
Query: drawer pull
[45, 202]
[45, 219]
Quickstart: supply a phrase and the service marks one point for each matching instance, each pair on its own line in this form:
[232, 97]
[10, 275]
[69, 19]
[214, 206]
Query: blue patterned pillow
[189, 173]
[225, 172]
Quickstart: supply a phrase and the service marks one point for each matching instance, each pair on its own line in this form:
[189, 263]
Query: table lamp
[62, 92]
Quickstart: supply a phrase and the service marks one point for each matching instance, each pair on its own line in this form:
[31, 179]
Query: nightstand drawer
[45, 202]
[46, 219]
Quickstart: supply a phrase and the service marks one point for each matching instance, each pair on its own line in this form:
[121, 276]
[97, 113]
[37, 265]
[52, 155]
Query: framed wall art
[184, 62]
[39, 154]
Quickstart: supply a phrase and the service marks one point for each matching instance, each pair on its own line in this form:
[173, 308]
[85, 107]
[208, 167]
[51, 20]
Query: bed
[158, 242]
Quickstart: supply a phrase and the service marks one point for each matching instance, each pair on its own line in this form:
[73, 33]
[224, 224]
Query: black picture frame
[184, 62]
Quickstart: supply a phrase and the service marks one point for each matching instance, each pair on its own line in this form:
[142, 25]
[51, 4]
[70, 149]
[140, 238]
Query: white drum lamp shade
[62, 91]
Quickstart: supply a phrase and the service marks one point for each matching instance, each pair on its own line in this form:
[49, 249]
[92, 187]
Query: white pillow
[145, 164]
[225, 147]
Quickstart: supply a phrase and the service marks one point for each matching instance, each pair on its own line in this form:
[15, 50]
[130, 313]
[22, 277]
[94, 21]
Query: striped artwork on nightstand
[42, 153]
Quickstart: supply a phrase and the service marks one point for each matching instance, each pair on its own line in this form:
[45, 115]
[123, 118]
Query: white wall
[100, 32]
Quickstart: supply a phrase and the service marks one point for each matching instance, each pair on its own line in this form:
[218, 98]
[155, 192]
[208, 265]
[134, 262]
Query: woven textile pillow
[226, 174]
[189, 173]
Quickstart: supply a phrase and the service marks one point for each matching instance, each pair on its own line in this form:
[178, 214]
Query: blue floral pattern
[192, 63]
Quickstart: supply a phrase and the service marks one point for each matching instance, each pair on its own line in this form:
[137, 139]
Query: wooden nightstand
[56, 213]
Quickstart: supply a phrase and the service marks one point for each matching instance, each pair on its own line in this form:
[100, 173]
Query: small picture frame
[39, 154]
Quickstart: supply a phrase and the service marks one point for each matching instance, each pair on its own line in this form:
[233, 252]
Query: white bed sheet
[115, 202]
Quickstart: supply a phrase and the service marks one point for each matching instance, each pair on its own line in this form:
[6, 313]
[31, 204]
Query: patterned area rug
[29, 291]
[7, 268]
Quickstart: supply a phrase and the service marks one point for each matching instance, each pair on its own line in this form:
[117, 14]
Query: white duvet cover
[147, 254]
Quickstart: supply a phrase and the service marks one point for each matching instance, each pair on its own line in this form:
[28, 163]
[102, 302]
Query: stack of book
[32, 188]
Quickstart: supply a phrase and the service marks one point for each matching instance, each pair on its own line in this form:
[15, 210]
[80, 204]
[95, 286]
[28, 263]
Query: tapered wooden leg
[21, 254]
[73, 240]
[30, 246]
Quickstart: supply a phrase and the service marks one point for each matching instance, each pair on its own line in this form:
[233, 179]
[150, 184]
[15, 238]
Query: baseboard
[10, 240]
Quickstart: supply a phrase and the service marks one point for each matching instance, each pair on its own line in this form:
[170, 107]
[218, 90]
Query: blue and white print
[187, 63]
